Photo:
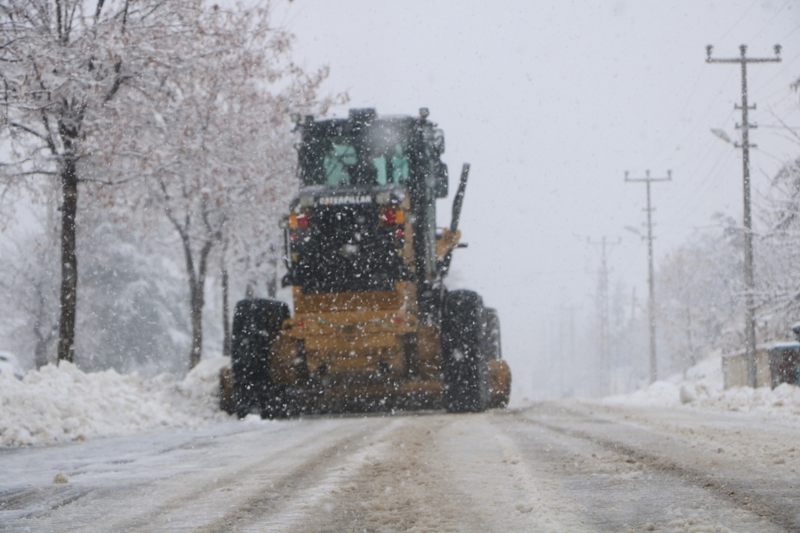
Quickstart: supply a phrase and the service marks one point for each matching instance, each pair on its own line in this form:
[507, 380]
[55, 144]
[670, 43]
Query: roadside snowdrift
[702, 387]
[62, 403]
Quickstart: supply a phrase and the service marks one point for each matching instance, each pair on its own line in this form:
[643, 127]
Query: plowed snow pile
[62, 403]
[702, 387]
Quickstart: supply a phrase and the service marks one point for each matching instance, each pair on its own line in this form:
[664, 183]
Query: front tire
[256, 325]
[466, 384]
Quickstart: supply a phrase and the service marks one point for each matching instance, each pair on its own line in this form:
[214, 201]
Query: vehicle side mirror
[438, 141]
[440, 181]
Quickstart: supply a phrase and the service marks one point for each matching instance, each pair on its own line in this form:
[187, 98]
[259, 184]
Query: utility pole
[749, 283]
[651, 301]
[602, 297]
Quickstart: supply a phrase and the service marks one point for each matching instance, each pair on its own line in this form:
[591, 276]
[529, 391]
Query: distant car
[10, 365]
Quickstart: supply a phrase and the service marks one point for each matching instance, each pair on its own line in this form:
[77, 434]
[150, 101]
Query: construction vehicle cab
[373, 325]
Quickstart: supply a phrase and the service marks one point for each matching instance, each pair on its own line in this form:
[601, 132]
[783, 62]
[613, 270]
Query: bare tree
[218, 154]
[66, 65]
[778, 281]
[29, 292]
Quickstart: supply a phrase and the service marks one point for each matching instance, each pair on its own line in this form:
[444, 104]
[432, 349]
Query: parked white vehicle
[10, 365]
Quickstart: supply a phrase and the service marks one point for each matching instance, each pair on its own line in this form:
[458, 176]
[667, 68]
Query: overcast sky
[551, 101]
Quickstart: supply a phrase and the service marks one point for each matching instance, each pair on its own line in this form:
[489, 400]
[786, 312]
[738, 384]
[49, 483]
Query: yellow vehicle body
[373, 326]
[370, 351]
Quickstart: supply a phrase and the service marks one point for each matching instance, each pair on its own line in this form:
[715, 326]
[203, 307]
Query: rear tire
[466, 385]
[256, 325]
[499, 373]
[492, 346]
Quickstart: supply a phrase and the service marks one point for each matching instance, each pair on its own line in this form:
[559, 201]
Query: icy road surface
[549, 467]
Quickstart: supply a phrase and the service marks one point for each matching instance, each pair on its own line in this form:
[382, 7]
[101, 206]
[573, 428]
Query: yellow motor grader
[374, 327]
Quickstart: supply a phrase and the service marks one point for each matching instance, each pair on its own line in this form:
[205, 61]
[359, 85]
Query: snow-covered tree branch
[178, 104]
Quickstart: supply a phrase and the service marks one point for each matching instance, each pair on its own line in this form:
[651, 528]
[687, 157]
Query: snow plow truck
[373, 327]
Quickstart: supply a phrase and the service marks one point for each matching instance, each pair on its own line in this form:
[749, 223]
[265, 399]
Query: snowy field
[63, 404]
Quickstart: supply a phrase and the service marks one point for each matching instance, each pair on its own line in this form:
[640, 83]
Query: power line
[791, 32]
[772, 19]
[694, 164]
[740, 19]
[700, 190]
[750, 323]
[779, 127]
[669, 151]
[787, 64]
[651, 304]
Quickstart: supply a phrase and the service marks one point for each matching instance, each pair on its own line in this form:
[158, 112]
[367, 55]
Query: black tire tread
[256, 325]
[466, 381]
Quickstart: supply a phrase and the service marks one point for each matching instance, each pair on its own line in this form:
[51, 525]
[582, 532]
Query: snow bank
[781, 401]
[702, 387]
[62, 403]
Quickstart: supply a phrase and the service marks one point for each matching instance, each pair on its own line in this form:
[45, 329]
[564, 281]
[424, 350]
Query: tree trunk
[197, 301]
[272, 276]
[40, 353]
[272, 284]
[69, 261]
[226, 325]
[197, 284]
[689, 340]
[43, 329]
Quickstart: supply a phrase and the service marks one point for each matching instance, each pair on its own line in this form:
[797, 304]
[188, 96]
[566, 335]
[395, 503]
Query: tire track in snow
[670, 457]
[287, 504]
[446, 473]
[226, 502]
[44, 501]
[184, 486]
[403, 489]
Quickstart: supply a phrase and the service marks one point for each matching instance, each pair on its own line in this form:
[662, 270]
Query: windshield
[378, 155]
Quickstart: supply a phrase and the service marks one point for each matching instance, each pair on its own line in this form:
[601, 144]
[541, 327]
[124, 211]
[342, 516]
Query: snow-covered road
[564, 466]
